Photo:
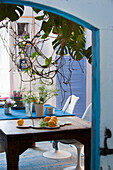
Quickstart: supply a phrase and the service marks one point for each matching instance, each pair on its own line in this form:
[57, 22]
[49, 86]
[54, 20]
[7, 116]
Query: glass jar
[28, 108]
[7, 110]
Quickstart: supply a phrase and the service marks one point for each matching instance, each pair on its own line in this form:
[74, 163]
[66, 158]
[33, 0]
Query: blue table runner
[21, 114]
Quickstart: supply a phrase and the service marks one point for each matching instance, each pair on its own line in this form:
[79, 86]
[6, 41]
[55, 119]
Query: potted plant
[8, 104]
[44, 94]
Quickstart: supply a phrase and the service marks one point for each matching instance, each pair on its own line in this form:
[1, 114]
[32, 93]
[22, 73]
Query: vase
[28, 108]
[33, 108]
[7, 110]
[39, 108]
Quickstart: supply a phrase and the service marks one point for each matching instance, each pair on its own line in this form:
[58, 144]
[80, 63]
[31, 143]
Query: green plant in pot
[44, 94]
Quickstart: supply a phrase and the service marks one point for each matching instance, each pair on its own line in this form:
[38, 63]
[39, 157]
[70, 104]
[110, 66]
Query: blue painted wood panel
[78, 85]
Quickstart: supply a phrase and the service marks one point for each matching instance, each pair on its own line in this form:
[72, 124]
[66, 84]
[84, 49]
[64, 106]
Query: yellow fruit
[20, 122]
[51, 123]
[54, 118]
[47, 118]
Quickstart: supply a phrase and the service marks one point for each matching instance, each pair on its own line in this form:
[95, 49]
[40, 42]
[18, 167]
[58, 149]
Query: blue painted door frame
[95, 139]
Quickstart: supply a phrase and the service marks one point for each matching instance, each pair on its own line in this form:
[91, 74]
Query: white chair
[70, 104]
[56, 153]
[78, 145]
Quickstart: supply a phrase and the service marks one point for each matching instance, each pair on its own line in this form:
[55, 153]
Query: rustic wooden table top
[9, 127]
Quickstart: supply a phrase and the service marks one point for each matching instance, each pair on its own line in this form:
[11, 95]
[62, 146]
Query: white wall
[4, 65]
[100, 14]
[88, 71]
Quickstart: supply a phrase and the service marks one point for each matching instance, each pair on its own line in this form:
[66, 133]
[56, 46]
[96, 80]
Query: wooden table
[15, 140]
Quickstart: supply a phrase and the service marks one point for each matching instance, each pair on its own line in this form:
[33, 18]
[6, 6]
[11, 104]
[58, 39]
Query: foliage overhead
[70, 37]
[11, 11]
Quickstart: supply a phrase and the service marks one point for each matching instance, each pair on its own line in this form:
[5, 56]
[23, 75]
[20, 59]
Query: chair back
[70, 104]
[88, 112]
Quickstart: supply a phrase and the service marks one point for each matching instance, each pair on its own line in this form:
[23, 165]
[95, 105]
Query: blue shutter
[78, 85]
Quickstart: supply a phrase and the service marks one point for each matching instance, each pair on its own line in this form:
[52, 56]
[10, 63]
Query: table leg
[12, 161]
[12, 155]
[13, 149]
[33, 145]
[87, 156]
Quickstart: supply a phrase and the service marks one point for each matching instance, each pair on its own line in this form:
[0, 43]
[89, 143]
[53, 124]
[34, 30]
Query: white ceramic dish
[37, 127]
[45, 127]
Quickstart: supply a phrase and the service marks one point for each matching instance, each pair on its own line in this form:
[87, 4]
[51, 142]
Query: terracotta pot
[39, 108]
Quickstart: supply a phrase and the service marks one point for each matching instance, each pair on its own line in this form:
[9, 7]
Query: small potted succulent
[8, 104]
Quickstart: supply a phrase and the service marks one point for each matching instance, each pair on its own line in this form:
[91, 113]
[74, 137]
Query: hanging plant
[71, 38]
[68, 39]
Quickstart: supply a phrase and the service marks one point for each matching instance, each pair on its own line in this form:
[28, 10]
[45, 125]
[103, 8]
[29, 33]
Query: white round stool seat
[58, 154]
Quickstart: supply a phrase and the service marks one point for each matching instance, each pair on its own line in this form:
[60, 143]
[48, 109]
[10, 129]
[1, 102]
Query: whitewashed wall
[88, 71]
[100, 14]
[4, 65]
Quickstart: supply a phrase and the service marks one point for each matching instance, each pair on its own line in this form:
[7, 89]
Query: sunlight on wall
[4, 66]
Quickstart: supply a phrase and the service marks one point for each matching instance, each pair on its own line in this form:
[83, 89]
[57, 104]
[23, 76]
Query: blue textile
[21, 114]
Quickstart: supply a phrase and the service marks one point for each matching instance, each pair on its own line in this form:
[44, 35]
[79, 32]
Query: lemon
[47, 118]
[20, 122]
[51, 123]
[54, 118]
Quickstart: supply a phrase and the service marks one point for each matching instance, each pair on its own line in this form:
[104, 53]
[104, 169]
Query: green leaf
[42, 123]
[13, 12]
[78, 56]
[22, 52]
[21, 44]
[45, 36]
[37, 10]
[20, 9]
[41, 72]
[39, 17]
[56, 62]
[36, 53]
[48, 61]
[26, 37]
[88, 54]
[33, 72]
[26, 70]
[42, 99]
[39, 53]
[36, 36]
